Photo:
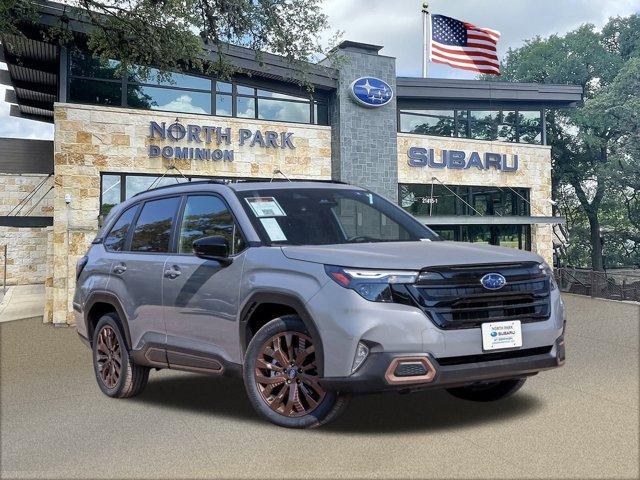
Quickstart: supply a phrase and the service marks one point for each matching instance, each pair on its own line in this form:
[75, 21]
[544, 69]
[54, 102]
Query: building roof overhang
[489, 220]
[451, 92]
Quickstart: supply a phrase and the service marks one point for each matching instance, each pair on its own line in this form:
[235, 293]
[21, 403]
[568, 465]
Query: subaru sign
[493, 281]
[371, 92]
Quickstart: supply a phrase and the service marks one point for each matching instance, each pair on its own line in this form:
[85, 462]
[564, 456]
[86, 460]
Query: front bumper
[375, 373]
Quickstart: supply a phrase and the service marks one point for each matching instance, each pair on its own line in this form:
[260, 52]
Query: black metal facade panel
[30, 75]
[489, 220]
[16, 112]
[34, 95]
[410, 90]
[25, 222]
[19, 156]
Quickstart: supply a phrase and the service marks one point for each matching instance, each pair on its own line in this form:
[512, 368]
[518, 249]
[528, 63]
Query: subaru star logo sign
[371, 92]
[493, 281]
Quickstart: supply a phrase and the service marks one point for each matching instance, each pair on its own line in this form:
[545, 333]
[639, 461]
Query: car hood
[407, 255]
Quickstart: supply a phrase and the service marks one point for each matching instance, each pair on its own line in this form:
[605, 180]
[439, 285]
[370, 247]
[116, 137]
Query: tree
[172, 35]
[594, 146]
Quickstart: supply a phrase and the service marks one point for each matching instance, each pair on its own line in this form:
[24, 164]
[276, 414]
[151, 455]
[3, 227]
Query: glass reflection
[155, 98]
[283, 111]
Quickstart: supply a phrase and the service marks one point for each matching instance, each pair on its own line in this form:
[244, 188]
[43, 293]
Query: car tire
[281, 383]
[116, 373]
[488, 392]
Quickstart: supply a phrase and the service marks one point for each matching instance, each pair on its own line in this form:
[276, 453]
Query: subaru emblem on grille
[493, 281]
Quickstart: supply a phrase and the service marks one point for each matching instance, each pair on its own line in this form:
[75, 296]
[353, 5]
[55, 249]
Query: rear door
[137, 272]
[201, 296]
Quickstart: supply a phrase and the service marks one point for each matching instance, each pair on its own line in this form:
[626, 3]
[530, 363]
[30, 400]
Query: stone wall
[534, 172]
[89, 140]
[364, 139]
[26, 247]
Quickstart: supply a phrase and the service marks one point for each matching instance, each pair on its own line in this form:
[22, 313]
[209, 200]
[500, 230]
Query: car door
[200, 296]
[137, 273]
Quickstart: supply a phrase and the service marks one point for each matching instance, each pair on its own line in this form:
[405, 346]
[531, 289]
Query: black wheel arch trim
[111, 299]
[289, 300]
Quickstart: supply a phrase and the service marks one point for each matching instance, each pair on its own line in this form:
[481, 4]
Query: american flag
[463, 45]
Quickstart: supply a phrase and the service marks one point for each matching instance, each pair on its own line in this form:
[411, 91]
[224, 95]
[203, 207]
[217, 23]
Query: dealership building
[468, 158]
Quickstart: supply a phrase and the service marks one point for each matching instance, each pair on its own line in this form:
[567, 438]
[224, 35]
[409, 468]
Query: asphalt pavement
[580, 421]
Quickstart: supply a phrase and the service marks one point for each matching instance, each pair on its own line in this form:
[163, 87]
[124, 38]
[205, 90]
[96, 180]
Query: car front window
[326, 216]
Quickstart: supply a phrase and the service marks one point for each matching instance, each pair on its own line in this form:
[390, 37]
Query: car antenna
[276, 172]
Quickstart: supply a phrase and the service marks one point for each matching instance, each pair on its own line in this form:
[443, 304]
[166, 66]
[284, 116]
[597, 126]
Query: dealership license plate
[497, 335]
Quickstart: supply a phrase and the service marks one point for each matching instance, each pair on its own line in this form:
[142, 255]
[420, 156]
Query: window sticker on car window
[265, 207]
[273, 229]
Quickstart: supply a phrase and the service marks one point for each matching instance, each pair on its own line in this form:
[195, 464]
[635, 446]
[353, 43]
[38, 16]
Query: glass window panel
[114, 241]
[95, 92]
[530, 129]
[224, 105]
[242, 90]
[506, 121]
[321, 113]
[85, 65]
[223, 87]
[267, 93]
[245, 107]
[206, 216]
[463, 124]
[153, 228]
[484, 125]
[110, 193]
[139, 183]
[152, 75]
[428, 122]
[417, 200]
[284, 111]
[156, 98]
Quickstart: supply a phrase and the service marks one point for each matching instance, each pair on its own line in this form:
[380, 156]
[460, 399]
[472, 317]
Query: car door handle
[172, 273]
[119, 269]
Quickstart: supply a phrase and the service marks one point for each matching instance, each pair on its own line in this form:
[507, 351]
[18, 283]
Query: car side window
[114, 241]
[206, 216]
[152, 232]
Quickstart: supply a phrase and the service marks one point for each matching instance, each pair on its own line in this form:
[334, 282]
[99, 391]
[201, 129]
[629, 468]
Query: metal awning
[33, 73]
[489, 220]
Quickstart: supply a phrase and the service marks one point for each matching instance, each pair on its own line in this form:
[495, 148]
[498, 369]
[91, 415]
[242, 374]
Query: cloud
[183, 103]
[398, 25]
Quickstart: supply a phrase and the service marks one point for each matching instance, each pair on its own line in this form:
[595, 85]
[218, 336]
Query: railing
[615, 285]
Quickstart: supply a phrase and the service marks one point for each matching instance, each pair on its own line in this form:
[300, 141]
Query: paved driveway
[579, 421]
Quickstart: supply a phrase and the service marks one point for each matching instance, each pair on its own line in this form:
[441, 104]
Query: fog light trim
[393, 379]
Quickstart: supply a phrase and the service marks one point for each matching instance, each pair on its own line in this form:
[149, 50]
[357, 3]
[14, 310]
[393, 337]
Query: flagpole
[426, 37]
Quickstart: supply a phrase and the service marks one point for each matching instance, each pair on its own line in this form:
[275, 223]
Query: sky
[397, 25]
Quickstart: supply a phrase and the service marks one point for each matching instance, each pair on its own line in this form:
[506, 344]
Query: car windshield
[326, 216]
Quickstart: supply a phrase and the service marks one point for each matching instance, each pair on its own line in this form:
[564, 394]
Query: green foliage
[172, 35]
[596, 146]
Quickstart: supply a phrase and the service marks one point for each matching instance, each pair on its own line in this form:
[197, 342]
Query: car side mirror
[215, 248]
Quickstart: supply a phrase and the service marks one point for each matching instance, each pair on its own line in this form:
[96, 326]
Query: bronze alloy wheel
[287, 376]
[109, 357]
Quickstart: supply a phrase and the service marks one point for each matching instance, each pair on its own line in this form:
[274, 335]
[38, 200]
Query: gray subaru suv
[311, 292]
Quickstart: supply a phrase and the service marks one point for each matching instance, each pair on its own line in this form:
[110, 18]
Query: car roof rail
[184, 184]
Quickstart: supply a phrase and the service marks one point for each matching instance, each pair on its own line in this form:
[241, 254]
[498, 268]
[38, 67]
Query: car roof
[288, 185]
[244, 186]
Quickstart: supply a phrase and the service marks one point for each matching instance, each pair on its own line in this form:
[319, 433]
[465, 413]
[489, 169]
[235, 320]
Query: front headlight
[374, 285]
[548, 271]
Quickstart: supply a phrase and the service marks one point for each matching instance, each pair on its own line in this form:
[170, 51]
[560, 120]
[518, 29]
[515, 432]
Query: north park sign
[457, 159]
[199, 136]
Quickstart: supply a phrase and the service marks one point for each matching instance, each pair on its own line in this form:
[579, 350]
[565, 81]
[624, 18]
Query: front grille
[413, 369]
[456, 299]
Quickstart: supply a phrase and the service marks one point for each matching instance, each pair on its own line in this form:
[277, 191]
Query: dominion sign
[200, 136]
